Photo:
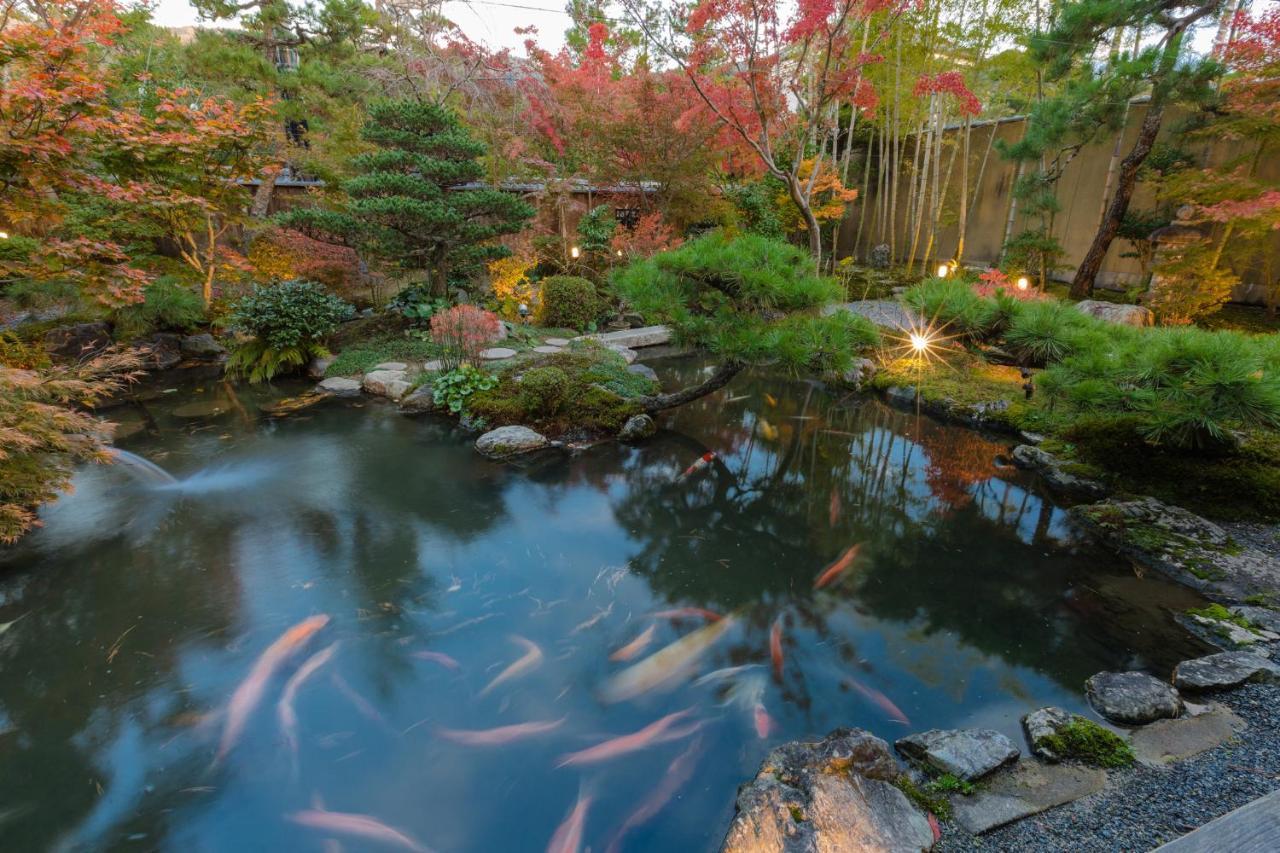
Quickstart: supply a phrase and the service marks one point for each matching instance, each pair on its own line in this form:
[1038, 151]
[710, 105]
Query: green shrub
[951, 304]
[570, 302]
[454, 388]
[287, 324]
[167, 306]
[362, 356]
[1045, 332]
[544, 388]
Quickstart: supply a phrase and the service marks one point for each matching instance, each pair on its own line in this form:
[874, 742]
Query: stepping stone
[1166, 741]
[386, 383]
[967, 753]
[497, 353]
[1132, 698]
[548, 350]
[340, 386]
[646, 336]
[1223, 670]
[556, 342]
[391, 365]
[433, 366]
[1026, 788]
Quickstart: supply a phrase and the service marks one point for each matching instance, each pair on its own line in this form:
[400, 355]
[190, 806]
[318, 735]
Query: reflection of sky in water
[968, 607]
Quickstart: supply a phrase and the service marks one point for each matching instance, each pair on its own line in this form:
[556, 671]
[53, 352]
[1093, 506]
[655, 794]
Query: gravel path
[1145, 807]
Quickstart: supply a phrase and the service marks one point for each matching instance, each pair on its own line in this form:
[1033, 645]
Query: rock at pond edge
[505, 442]
[966, 753]
[1132, 698]
[1043, 724]
[1224, 670]
[637, 428]
[340, 386]
[419, 401]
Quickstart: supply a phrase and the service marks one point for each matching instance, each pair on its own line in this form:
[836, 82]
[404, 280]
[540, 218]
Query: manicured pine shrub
[569, 302]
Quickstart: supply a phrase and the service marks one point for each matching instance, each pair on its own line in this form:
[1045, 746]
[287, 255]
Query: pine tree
[1068, 49]
[407, 203]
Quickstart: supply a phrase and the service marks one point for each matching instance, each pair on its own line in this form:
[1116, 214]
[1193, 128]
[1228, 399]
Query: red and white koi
[763, 722]
[284, 708]
[500, 735]
[698, 464]
[249, 694]
[636, 646]
[356, 826]
[659, 731]
[832, 572]
[568, 836]
[529, 661]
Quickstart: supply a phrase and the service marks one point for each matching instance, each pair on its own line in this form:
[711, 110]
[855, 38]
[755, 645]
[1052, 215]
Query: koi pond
[347, 625]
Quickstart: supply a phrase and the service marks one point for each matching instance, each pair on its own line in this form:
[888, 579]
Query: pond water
[143, 605]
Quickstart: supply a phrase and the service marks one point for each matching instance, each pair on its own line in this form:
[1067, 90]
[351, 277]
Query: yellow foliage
[509, 278]
[827, 200]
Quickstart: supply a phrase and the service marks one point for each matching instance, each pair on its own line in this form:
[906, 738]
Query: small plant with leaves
[453, 388]
[286, 325]
[462, 332]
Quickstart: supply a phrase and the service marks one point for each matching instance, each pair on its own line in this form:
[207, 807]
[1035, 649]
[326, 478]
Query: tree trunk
[1126, 181]
[963, 210]
[810, 222]
[723, 375]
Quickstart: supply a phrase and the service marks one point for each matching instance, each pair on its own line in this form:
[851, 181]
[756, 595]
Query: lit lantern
[4, 235]
[943, 269]
[619, 253]
[1023, 282]
[919, 342]
[575, 252]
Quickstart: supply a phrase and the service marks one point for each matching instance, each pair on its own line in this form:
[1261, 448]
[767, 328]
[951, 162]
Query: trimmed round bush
[569, 302]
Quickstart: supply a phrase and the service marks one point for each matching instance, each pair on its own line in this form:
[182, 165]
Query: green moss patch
[1218, 613]
[362, 356]
[585, 390]
[926, 798]
[1086, 741]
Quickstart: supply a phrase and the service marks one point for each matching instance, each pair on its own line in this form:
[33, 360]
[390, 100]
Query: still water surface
[142, 606]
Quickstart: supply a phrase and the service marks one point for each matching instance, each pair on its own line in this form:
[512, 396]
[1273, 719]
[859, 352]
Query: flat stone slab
[392, 365]
[386, 383]
[645, 336]
[888, 313]
[1166, 741]
[1193, 551]
[1223, 670]
[1057, 475]
[433, 366]
[1252, 828]
[626, 352]
[497, 353]
[340, 386]
[1026, 788]
[1263, 617]
[556, 342]
[967, 753]
[1132, 698]
[548, 350]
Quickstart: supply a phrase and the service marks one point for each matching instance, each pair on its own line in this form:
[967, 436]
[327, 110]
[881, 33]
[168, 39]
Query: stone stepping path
[548, 350]
[1028, 787]
[497, 353]
[556, 342]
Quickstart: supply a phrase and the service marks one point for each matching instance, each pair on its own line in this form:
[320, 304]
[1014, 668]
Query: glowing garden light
[1023, 282]
[943, 270]
[919, 342]
[4, 235]
[575, 252]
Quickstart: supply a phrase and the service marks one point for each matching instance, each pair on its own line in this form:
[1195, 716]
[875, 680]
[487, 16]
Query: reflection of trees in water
[948, 538]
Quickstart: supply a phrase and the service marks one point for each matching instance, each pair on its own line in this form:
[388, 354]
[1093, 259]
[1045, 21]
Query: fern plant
[285, 325]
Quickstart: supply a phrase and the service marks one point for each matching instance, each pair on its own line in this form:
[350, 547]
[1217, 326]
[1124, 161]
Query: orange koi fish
[356, 826]
[775, 647]
[284, 708]
[688, 613]
[499, 736]
[658, 731]
[884, 702]
[833, 507]
[250, 692]
[636, 646]
[676, 777]
[768, 430]
[698, 464]
[568, 836]
[934, 828]
[438, 657]
[770, 400]
[839, 567]
[531, 660]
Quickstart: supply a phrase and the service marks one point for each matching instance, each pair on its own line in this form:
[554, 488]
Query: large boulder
[965, 753]
[162, 351]
[1224, 670]
[340, 386]
[202, 346]
[1127, 315]
[507, 441]
[79, 341]
[834, 795]
[419, 401]
[387, 383]
[1132, 698]
[319, 366]
[643, 370]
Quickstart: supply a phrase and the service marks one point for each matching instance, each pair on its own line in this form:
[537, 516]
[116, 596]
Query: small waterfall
[142, 469]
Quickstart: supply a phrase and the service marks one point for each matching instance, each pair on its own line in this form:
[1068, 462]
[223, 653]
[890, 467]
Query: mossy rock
[1085, 741]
